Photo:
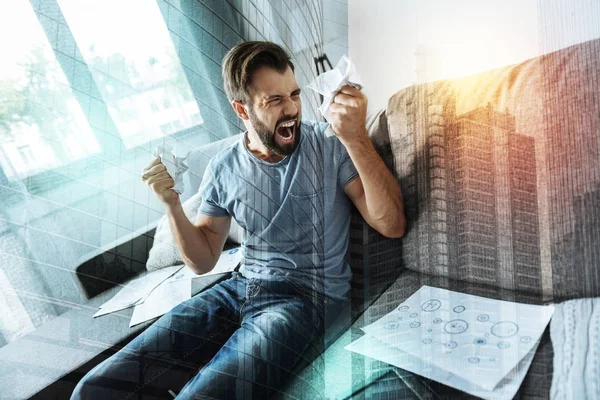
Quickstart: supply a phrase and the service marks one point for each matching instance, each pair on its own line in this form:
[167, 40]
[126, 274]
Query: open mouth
[286, 131]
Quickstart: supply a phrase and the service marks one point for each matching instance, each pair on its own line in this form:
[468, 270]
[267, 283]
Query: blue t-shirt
[294, 213]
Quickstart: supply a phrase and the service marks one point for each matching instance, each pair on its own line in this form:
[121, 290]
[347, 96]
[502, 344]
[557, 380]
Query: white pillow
[164, 252]
[377, 126]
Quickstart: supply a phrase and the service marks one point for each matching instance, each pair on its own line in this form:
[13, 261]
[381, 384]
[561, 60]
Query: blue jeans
[277, 327]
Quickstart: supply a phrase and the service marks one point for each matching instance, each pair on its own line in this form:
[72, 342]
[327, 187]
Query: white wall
[461, 37]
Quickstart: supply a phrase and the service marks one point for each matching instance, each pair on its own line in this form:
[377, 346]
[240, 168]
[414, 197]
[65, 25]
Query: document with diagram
[476, 339]
[505, 390]
[136, 291]
[179, 288]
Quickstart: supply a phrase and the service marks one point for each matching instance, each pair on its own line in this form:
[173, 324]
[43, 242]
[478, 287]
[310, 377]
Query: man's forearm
[382, 193]
[191, 241]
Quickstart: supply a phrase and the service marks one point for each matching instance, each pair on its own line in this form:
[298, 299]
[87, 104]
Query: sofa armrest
[49, 362]
[115, 266]
[43, 358]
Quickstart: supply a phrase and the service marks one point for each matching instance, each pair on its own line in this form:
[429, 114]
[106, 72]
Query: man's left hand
[347, 114]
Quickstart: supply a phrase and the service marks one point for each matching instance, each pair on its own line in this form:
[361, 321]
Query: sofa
[500, 174]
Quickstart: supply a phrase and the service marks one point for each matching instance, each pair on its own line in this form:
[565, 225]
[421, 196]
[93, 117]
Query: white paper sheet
[136, 291]
[162, 300]
[178, 288]
[227, 262]
[176, 166]
[506, 389]
[477, 339]
[329, 84]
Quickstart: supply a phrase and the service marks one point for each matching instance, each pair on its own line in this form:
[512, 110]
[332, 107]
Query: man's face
[276, 110]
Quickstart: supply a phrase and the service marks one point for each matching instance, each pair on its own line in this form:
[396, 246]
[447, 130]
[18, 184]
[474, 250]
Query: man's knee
[105, 381]
[85, 389]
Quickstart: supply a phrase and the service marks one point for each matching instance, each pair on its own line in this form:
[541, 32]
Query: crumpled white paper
[329, 84]
[175, 165]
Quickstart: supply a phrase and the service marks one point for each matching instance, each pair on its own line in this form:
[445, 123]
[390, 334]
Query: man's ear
[240, 110]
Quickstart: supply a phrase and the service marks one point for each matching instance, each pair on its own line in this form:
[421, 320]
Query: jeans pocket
[252, 288]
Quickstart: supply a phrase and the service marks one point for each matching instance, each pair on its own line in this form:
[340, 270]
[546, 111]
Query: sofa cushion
[377, 126]
[197, 161]
[501, 174]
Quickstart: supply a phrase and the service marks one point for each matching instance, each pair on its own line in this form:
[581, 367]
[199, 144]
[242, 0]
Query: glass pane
[135, 67]
[42, 125]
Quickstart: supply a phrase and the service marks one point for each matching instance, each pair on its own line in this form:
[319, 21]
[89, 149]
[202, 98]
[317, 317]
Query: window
[88, 88]
[40, 118]
[142, 61]
[81, 108]
[26, 154]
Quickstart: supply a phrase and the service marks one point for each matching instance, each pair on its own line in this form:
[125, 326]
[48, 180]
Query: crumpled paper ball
[175, 165]
[329, 84]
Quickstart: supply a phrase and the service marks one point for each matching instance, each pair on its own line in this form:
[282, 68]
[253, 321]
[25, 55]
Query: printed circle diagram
[451, 345]
[483, 318]
[474, 360]
[431, 305]
[437, 321]
[403, 308]
[427, 341]
[503, 345]
[505, 329]
[414, 315]
[480, 341]
[415, 324]
[459, 309]
[456, 326]
[526, 339]
[391, 325]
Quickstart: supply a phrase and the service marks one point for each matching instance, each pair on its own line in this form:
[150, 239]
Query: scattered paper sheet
[175, 165]
[162, 300]
[329, 84]
[477, 339]
[227, 262]
[508, 387]
[136, 291]
[178, 288]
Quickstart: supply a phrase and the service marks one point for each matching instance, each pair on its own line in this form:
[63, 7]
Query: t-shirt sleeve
[347, 171]
[212, 193]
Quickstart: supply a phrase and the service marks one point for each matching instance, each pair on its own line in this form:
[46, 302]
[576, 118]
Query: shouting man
[291, 188]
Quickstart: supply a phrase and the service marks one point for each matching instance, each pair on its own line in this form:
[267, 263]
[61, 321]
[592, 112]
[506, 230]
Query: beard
[268, 137]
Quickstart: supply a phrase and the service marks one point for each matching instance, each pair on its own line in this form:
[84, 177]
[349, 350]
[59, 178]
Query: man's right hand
[156, 176]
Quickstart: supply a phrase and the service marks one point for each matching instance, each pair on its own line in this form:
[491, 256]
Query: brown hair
[244, 59]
